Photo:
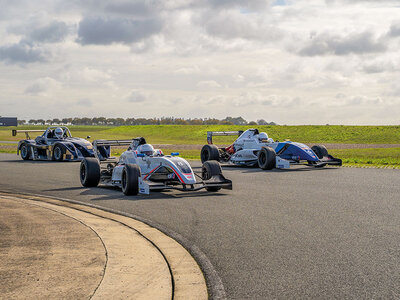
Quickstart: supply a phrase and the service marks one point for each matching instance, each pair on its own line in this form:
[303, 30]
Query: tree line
[143, 121]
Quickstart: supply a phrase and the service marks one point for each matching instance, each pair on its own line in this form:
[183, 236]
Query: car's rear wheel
[209, 152]
[266, 158]
[320, 151]
[89, 172]
[25, 152]
[130, 179]
[210, 169]
[58, 153]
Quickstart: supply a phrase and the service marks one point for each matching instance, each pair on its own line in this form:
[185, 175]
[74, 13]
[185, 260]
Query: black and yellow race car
[55, 143]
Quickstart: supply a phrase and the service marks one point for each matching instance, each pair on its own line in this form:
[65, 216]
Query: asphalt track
[300, 233]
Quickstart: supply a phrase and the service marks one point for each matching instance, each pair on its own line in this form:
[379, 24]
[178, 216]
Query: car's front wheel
[210, 169]
[89, 172]
[25, 152]
[130, 179]
[320, 151]
[58, 153]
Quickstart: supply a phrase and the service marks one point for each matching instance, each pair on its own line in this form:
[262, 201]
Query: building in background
[8, 121]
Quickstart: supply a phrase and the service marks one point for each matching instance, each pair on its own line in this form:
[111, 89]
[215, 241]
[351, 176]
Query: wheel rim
[83, 172]
[263, 158]
[57, 153]
[24, 151]
[123, 181]
[204, 174]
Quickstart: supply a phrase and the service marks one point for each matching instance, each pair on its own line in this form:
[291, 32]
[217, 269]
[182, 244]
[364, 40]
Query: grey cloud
[379, 67]
[249, 4]
[35, 89]
[104, 31]
[136, 96]
[394, 30]
[51, 33]
[22, 52]
[358, 43]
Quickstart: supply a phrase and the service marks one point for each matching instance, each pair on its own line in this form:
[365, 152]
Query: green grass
[375, 157]
[196, 134]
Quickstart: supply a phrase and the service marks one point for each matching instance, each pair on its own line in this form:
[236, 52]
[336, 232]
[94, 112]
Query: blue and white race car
[254, 148]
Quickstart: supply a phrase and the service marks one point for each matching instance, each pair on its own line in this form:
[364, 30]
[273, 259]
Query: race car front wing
[217, 181]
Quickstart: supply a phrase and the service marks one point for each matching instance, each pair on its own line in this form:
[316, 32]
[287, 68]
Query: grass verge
[196, 134]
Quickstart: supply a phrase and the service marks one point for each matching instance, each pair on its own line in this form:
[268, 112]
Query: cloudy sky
[288, 61]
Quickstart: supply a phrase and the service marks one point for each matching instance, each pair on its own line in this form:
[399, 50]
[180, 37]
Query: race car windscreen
[182, 165]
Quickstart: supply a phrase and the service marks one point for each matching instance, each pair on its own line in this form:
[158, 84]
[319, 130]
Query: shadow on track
[115, 193]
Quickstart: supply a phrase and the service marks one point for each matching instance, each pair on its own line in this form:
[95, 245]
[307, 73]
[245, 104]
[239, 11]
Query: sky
[287, 61]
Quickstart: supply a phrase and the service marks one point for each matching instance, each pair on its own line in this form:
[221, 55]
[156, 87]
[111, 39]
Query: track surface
[301, 233]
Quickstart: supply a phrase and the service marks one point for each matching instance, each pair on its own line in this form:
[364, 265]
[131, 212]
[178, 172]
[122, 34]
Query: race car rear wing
[15, 132]
[101, 145]
[210, 134]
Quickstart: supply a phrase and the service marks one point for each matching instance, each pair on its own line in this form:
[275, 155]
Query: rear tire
[130, 179]
[58, 153]
[266, 158]
[209, 152]
[209, 169]
[89, 172]
[320, 151]
[25, 152]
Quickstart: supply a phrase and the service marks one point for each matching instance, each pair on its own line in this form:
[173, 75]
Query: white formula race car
[141, 169]
[253, 148]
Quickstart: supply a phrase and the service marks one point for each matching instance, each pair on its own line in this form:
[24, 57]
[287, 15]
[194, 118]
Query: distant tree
[119, 121]
[21, 122]
[56, 121]
[32, 121]
[225, 122]
[181, 122]
[211, 121]
[262, 122]
[76, 121]
[236, 121]
[41, 121]
[252, 123]
[49, 122]
[111, 121]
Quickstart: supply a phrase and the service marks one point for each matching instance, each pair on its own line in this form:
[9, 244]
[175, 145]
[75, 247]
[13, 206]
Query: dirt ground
[42, 254]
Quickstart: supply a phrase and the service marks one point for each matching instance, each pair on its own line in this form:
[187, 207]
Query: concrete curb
[185, 276]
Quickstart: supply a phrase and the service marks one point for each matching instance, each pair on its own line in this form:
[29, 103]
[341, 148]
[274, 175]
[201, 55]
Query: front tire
[89, 172]
[25, 152]
[266, 158]
[210, 169]
[320, 151]
[130, 179]
[58, 153]
[209, 152]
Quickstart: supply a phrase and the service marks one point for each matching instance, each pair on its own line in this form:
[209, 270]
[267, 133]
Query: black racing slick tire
[320, 151]
[210, 169]
[130, 179]
[58, 153]
[266, 158]
[25, 149]
[209, 152]
[89, 172]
